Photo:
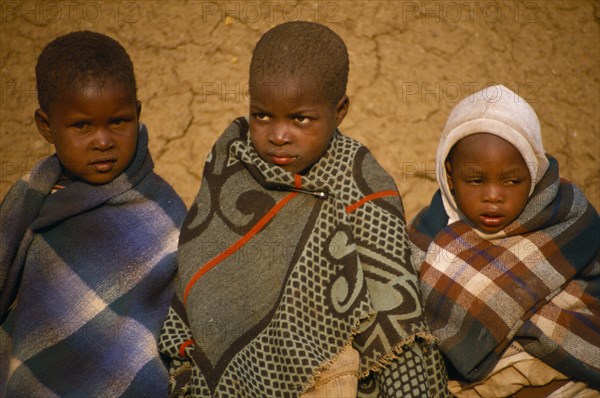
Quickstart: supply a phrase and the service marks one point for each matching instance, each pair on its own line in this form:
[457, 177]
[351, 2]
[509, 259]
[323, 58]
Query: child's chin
[100, 179]
[490, 230]
[287, 168]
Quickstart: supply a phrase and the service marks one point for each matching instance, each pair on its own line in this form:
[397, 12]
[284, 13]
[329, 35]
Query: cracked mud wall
[410, 63]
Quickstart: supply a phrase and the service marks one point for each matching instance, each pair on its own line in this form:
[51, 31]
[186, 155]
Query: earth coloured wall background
[410, 63]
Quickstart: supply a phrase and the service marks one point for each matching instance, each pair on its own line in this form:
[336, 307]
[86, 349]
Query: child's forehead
[91, 88]
[289, 89]
[484, 147]
[283, 82]
[475, 142]
[98, 82]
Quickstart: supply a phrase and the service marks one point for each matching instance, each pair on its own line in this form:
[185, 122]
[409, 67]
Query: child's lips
[282, 159]
[491, 219]
[103, 165]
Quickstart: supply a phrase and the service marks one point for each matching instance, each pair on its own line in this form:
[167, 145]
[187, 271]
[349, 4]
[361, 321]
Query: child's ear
[42, 121]
[341, 109]
[448, 166]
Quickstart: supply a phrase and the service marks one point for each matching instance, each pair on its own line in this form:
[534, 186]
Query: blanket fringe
[316, 374]
[388, 359]
[383, 362]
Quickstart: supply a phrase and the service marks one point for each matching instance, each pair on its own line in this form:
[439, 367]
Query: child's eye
[301, 119]
[263, 117]
[514, 181]
[117, 122]
[475, 181]
[80, 125]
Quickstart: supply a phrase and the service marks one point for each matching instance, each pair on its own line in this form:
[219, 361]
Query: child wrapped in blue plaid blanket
[88, 237]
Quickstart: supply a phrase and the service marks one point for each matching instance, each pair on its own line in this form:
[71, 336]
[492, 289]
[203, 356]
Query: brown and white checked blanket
[274, 283]
[536, 282]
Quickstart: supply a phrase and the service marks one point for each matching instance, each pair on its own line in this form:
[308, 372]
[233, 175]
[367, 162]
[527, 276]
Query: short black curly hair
[79, 58]
[305, 51]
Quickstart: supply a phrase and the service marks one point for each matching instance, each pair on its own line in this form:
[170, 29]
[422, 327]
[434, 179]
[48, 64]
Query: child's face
[490, 181]
[94, 131]
[289, 126]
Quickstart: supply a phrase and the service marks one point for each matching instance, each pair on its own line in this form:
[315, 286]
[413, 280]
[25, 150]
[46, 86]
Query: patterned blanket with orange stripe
[537, 282]
[279, 272]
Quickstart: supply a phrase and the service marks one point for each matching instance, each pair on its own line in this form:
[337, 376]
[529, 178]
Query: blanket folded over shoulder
[538, 282]
[85, 282]
[279, 272]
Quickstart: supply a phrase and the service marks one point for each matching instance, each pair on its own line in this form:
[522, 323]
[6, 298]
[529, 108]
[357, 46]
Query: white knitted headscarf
[494, 110]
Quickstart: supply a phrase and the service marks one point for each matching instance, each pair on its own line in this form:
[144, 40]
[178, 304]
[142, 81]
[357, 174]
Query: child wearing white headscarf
[508, 256]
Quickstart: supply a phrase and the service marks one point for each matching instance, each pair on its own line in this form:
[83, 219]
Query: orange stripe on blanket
[183, 346]
[373, 196]
[237, 245]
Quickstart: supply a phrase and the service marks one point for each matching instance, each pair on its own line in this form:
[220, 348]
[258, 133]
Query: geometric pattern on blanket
[347, 277]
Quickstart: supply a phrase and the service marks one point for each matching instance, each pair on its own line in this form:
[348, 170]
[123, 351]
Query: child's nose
[493, 194]
[103, 139]
[280, 134]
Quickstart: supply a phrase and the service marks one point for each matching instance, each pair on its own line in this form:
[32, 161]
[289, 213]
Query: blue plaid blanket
[85, 282]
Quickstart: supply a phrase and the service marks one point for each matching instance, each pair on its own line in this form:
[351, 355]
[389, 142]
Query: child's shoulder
[157, 193]
[38, 181]
[361, 161]
[165, 191]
